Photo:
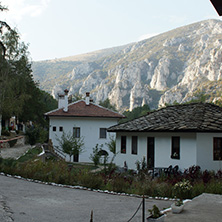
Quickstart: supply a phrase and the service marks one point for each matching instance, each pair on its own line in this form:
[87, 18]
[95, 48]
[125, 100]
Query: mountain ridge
[165, 68]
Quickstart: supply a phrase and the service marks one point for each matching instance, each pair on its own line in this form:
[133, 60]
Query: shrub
[214, 187]
[198, 188]
[155, 212]
[182, 190]
[95, 156]
[36, 134]
[119, 184]
[12, 142]
[89, 180]
[193, 173]
[5, 132]
[162, 190]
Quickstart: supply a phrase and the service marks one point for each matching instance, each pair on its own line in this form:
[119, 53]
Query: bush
[182, 190]
[95, 156]
[89, 180]
[5, 132]
[119, 184]
[12, 142]
[36, 135]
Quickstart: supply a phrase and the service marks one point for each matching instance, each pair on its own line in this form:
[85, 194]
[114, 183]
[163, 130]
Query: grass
[31, 154]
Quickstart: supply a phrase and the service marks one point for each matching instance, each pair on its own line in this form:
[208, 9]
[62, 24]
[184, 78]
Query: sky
[61, 28]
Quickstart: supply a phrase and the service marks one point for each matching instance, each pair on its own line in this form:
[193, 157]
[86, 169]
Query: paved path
[24, 201]
[14, 152]
[204, 208]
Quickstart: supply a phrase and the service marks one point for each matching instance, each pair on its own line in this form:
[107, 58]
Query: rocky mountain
[173, 66]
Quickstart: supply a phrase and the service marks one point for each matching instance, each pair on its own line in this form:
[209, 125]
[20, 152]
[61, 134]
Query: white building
[183, 135]
[83, 119]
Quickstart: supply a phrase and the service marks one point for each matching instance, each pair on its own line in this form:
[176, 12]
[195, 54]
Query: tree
[75, 97]
[15, 71]
[136, 112]
[19, 93]
[70, 144]
[106, 103]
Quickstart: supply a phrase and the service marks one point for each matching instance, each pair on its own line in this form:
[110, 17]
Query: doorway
[150, 151]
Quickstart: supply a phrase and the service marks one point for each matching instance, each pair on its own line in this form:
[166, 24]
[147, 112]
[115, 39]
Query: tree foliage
[19, 93]
[106, 103]
[70, 144]
[136, 112]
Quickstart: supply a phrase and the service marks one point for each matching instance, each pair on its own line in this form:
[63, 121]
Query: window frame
[123, 145]
[134, 145]
[175, 147]
[76, 132]
[217, 153]
[102, 135]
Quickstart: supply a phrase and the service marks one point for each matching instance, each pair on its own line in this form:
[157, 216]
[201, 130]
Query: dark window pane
[134, 144]
[217, 148]
[76, 132]
[60, 128]
[54, 128]
[102, 133]
[123, 144]
[175, 152]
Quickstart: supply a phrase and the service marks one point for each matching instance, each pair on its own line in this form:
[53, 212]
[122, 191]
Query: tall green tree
[19, 93]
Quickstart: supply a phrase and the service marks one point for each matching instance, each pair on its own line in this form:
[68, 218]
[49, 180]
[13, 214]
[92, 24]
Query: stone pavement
[204, 208]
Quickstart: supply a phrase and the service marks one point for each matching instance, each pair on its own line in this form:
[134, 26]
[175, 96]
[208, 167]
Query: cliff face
[169, 67]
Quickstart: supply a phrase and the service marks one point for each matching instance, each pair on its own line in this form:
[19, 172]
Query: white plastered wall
[188, 153]
[205, 151]
[89, 130]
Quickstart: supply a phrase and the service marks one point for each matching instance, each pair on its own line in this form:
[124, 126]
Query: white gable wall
[188, 153]
[205, 151]
[89, 130]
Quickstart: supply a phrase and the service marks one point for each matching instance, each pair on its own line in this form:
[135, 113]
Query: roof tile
[80, 109]
[194, 117]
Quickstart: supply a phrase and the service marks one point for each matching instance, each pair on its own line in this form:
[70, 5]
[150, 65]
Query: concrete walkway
[14, 152]
[204, 208]
[24, 201]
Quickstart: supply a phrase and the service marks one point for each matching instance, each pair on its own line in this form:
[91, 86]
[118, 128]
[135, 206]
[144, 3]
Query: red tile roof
[80, 109]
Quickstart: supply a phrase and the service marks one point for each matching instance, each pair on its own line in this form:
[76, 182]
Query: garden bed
[129, 182]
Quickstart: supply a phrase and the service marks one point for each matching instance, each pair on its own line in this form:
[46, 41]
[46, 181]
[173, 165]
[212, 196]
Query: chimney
[87, 101]
[66, 100]
[63, 101]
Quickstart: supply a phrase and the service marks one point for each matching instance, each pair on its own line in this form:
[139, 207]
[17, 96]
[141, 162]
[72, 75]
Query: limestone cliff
[166, 68]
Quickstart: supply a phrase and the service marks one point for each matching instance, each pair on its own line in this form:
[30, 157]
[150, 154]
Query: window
[54, 128]
[217, 148]
[76, 132]
[175, 152]
[60, 128]
[134, 144]
[123, 144]
[102, 133]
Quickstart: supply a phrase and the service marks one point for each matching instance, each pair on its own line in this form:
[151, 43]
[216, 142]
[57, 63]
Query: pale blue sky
[60, 28]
